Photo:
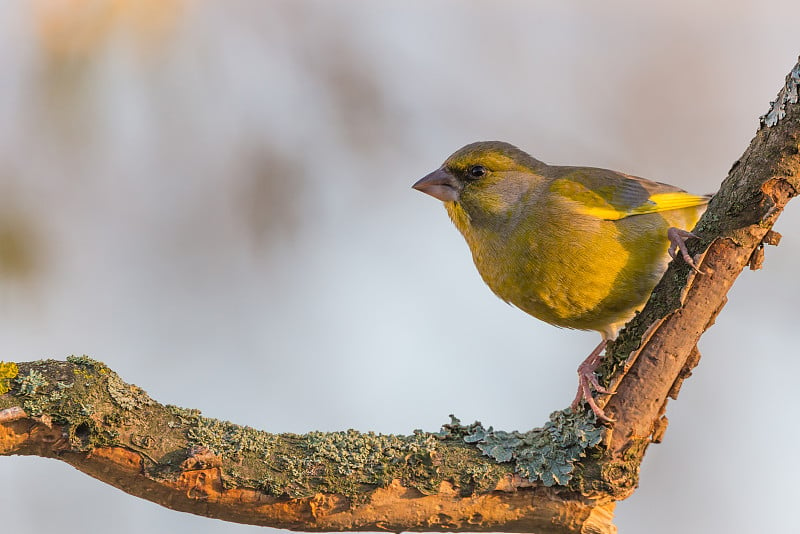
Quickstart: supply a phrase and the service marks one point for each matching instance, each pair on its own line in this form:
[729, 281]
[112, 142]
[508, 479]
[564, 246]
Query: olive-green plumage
[577, 247]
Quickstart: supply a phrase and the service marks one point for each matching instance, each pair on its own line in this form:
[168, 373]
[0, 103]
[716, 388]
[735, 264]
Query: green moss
[8, 370]
[600, 473]
[86, 361]
[88, 369]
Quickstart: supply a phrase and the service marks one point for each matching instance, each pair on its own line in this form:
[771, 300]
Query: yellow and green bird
[577, 247]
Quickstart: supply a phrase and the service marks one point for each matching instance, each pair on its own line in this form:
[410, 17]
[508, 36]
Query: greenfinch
[577, 247]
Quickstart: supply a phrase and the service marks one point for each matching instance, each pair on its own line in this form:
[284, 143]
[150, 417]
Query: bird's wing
[612, 196]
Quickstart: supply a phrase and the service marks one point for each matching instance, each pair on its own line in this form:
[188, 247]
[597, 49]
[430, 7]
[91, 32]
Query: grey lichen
[353, 451]
[346, 462]
[335, 457]
[30, 383]
[787, 95]
[343, 463]
[223, 437]
[547, 454]
[29, 387]
[127, 396]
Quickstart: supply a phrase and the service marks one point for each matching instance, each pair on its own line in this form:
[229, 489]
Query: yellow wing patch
[669, 201]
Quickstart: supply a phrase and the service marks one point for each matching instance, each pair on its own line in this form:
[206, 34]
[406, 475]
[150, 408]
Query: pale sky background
[214, 198]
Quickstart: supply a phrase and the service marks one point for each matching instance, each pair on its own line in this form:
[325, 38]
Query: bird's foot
[677, 242]
[587, 382]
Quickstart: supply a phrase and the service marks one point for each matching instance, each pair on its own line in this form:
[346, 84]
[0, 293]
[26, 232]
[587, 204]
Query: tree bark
[563, 478]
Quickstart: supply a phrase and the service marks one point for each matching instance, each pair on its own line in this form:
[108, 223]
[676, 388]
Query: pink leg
[587, 381]
[677, 241]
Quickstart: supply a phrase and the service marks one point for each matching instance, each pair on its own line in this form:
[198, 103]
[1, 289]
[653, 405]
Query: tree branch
[81, 412]
[561, 478]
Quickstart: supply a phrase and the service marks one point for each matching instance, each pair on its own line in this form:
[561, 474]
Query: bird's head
[484, 178]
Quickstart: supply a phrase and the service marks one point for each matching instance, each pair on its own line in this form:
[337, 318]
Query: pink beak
[440, 184]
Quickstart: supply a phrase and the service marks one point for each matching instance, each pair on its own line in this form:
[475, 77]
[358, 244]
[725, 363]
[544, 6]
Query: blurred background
[214, 199]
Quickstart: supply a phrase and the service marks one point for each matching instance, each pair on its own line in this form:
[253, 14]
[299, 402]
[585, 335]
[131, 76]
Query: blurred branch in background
[173, 110]
[20, 257]
[75, 31]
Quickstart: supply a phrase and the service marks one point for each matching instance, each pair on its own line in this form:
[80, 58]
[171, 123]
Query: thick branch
[556, 479]
[80, 412]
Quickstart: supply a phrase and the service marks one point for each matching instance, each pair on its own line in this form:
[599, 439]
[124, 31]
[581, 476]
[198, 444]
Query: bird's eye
[476, 171]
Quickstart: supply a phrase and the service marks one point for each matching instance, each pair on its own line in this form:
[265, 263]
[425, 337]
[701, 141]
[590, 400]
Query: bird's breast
[562, 274]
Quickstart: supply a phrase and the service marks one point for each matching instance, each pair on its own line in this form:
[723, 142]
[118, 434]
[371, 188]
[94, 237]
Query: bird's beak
[440, 184]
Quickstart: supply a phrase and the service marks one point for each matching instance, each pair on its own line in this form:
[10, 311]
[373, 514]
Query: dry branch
[465, 478]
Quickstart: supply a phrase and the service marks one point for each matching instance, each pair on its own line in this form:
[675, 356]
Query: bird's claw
[677, 242]
[587, 382]
[594, 384]
[585, 394]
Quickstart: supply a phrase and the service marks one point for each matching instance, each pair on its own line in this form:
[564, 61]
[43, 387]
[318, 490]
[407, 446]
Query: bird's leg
[587, 381]
[677, 241]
